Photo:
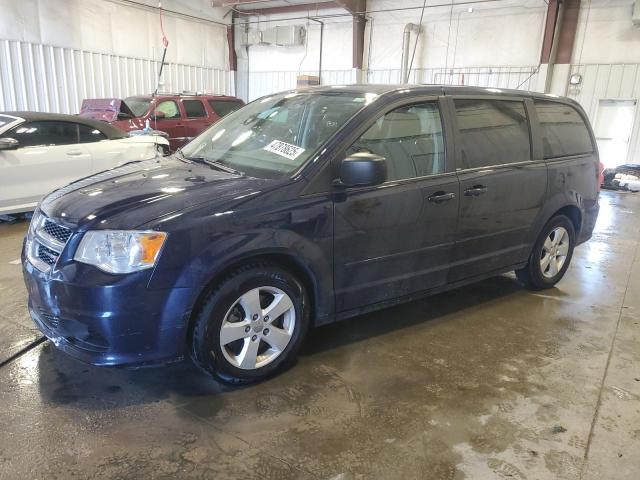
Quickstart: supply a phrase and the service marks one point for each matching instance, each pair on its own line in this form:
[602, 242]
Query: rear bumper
[121, 323]
[589, 218]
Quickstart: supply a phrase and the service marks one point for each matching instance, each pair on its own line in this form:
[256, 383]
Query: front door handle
[74, 153]
[475, 191]
[440, 197]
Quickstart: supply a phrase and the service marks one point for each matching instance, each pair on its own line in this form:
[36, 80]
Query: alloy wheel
[554, 252]
[257, 328]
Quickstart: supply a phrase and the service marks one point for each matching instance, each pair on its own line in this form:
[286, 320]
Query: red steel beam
[549, 30]
[310, 7]
[354, 7]
[568, 29]
[231, 42]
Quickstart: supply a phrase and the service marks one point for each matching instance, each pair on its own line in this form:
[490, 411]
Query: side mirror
[159, 115]
[123, 116]
[9, 143]
[363, 169]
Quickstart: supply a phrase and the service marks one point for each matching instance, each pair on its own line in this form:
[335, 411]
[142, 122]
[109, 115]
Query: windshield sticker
[284, 149]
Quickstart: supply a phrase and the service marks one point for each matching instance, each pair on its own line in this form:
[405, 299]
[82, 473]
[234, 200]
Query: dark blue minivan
[307, 207]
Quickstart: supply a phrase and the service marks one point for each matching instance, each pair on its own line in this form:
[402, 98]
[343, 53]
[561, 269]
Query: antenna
[165, 42]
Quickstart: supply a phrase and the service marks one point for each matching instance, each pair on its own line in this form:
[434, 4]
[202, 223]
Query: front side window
[138, 105]
[194, 108]
[563, 130]
[169, 108]
[224, 107]
[409, 138]
[274, 136]
[492, 132]
[45, 133]
[89, 134]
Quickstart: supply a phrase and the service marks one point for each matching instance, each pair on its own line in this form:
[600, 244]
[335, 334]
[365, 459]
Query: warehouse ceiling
[251, 4]
[282, 6]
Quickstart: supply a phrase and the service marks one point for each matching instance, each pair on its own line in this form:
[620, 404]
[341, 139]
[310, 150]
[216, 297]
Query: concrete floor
[490, 381]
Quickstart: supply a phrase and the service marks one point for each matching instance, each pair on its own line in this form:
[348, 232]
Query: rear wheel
[252, 325]
[551, 255]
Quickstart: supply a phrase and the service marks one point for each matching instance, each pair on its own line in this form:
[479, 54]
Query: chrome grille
[56, 231]
[46, 240]
[48, 256]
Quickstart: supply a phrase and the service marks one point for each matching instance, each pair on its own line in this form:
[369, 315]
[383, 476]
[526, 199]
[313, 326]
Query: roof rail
[191, 94]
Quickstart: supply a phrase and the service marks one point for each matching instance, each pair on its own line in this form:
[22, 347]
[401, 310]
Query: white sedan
[40, 152]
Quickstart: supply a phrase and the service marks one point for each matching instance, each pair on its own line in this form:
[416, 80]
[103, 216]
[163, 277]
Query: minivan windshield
[138, 105]
[273, 136]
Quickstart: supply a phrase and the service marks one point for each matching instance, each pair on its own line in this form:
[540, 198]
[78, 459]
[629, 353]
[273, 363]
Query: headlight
[120, 251]
[36, 219]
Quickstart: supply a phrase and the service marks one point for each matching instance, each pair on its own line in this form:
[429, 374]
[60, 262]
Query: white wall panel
[196, 37]
[265, 83]
[507, 33]
[523, 78]
[609, 82]
[54, 79]
[606, 33]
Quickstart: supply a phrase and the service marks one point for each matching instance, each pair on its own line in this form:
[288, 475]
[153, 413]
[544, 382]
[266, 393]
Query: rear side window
[31, 134]
[5, 119]
[409, 138]
[492, 132]
[194, 108]
[224, 107]
[563, 130]
[89, 134]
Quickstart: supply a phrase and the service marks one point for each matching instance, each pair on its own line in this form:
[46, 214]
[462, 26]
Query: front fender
[204, 247]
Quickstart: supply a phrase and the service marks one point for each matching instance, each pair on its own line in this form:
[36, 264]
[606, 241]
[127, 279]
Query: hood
[141, 136]
[105, 109]
[140, 192]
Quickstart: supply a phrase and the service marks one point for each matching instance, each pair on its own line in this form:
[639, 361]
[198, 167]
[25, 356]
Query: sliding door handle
[440, 197]
[475, 191]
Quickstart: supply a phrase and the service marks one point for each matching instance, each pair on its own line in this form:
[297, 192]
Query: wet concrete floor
[489, 381]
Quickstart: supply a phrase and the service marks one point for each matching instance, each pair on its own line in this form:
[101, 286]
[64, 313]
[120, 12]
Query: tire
[539, 274]
[240, 306]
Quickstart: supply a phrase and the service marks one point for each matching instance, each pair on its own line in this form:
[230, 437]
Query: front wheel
[250, 326]
[551, 255]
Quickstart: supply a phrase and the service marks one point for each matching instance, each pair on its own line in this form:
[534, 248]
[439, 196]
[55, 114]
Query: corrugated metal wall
[53, 79]
[609, 82]
[264, 83]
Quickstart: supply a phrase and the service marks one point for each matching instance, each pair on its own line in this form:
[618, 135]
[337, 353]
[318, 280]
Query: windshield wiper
[222, 167]
[211, 163]
[180, 153]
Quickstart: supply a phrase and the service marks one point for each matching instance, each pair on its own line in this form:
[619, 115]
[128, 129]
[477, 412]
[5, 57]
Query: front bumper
[108, 319]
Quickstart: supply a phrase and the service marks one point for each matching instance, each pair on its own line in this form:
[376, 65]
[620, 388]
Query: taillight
[600, 175]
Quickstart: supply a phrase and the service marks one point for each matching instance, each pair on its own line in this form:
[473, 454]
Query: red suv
[181, 116]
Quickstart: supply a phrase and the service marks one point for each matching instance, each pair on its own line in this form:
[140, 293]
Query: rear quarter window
[89, 134]
[224, 107]
[563, 130]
